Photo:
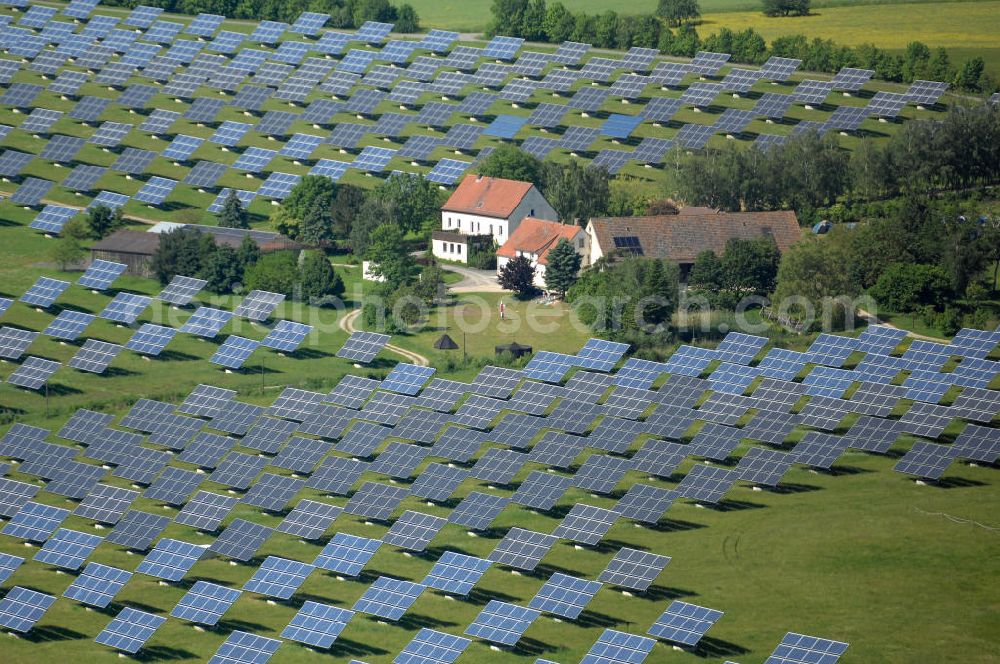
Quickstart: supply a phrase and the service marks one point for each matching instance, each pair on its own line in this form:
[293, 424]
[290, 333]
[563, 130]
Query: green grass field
[966, 28]
[904, 572]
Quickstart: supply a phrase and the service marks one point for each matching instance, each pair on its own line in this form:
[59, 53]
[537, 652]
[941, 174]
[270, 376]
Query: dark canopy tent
[445, 343]
[514, 348]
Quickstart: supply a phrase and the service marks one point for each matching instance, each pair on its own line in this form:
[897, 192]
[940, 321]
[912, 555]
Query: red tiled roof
[489, 197]
[538, 237]
[681, 237]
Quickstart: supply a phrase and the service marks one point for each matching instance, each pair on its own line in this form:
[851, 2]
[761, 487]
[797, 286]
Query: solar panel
[205, 511]
[268, 32]
[388, 598]
[800, 649]
[456, 573]
[478, 510]
[52, 218]
[522, 549]
[245, 648]
[309, 519]
[98, 585]
[205, 603]
[301, 146]
[503, 623]
[14, 342]
[21, 608]
[564, 595]
[67, 548]
[811, 92]
[68, 325]
[137, 530]
[432, 647]
[94, 356]
[375, 501]
[613, 647]
[317, 624]
[125, 308]
[130, 630]
[234, 352]
[106, 504]
[8, 565]
[347, 554]
[586, 524]
[33, 373]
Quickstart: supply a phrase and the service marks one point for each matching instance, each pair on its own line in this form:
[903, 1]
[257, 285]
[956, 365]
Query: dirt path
[347, 325]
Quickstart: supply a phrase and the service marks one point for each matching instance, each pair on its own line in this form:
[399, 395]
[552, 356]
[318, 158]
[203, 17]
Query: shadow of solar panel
[317, 624]
[503, 623]
[456, 573]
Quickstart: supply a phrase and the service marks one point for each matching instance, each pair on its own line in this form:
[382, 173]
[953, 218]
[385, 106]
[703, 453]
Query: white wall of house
[592, 249]
[532, 205]
[450, 251]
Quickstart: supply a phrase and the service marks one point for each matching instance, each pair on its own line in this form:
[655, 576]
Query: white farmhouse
[485, 206]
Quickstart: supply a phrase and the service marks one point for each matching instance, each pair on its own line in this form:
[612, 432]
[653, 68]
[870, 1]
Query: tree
[222, 269]
[233, 215]
[69, 249]
[676, 12]
[319, 281]
[309, 191]
[750, 266]
[390, 258]
[182, 251]
[512, 163]
[907, 287]
[576, 193]
[559, 23]
[627, 295]
[373, 214]
[316, 228]
[706, 273]
[786, 7]
[374, 10]
[346, 206]
[534, 21]
[970, 77]
[563, 267]
[248, 253]
[102, 221]
[407, 20]
[812, 280]
[518, 275]
[412, 200]
[508, 17]
[277, 272]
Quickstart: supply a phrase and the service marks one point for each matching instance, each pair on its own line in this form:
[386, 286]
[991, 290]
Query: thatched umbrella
[514, 348]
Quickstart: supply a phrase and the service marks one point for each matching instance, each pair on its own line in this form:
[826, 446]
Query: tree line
[344, 14]
[671, 31]
[814, 176]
